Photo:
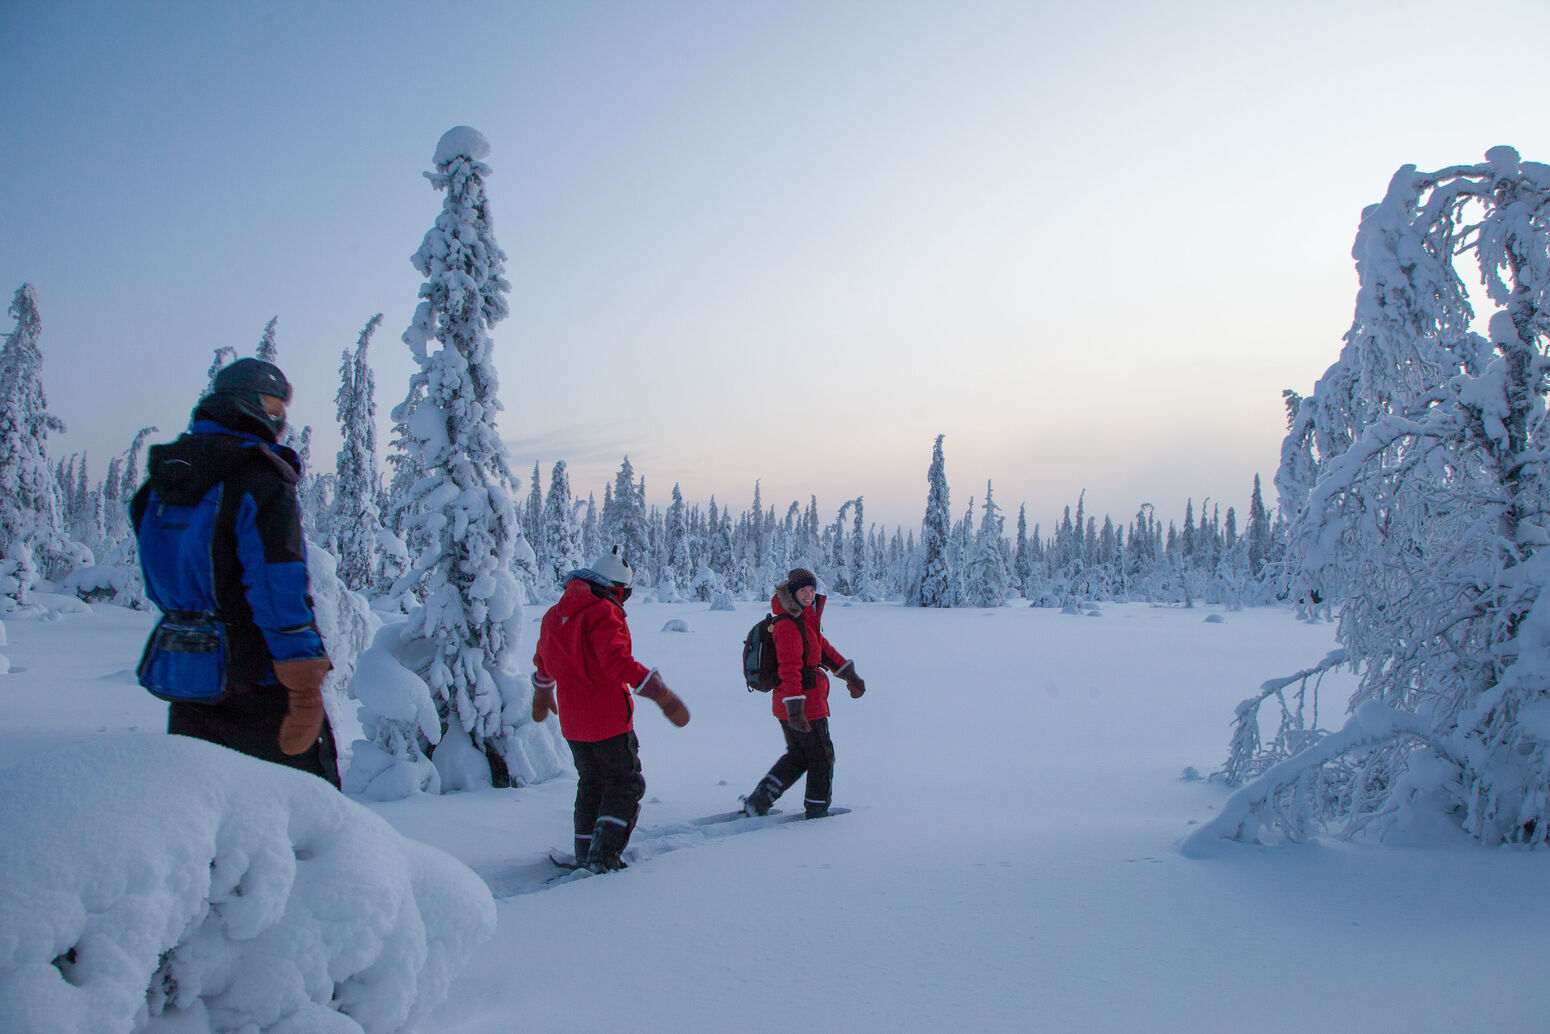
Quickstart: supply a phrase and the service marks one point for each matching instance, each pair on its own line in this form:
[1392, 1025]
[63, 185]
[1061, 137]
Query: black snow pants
[248, 721]
[609, 788]
[811, 752]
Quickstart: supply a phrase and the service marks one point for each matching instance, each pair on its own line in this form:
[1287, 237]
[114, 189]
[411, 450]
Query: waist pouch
[186, 657]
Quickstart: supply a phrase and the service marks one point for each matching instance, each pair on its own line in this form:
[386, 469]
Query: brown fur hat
[800, 578]
[786, 591]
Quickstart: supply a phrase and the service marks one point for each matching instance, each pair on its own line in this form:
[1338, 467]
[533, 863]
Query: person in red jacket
[586, 672]
[801, 700]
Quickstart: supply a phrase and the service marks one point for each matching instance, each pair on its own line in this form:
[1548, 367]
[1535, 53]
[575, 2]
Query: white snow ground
[1011, 862]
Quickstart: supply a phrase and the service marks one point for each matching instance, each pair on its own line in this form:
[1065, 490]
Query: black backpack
[760, 670]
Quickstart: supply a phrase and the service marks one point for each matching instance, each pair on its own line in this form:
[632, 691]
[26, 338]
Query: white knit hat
[612, 566]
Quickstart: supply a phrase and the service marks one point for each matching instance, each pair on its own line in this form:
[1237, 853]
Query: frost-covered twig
[1245, 812]
[1245, 758]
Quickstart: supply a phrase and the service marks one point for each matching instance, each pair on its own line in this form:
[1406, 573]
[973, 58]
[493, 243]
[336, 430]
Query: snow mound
[100, 584]
[677, 625]
[161, 882]
[461, 142]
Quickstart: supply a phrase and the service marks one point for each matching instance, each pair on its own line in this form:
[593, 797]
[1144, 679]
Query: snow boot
[763, 798]
[608, 839]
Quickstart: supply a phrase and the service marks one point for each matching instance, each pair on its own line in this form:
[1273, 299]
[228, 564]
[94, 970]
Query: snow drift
[153, 883]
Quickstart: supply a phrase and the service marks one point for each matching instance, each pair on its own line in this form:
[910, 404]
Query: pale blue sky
[796, 241]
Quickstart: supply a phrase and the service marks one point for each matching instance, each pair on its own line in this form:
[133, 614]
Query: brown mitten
[655, 690]
[303, 721]
[795, 716]
[543, 698]
[853, 681]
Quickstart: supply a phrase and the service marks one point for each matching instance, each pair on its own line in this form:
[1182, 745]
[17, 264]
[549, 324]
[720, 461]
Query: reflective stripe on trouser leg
[609, 835]
[820, 768]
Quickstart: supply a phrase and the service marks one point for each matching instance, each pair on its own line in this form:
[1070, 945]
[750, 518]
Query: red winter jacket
[801, 652]
[584, 646]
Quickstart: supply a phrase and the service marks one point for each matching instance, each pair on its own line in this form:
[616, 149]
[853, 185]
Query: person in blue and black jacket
[237, 652]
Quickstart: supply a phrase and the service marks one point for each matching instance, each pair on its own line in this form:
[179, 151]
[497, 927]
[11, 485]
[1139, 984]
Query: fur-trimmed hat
[800, 578]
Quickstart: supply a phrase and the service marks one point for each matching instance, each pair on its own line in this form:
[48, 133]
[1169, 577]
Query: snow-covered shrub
[347, 624]
[162, 882]
[405, 749]
[98, 584]
[398, 721]
[18, 577]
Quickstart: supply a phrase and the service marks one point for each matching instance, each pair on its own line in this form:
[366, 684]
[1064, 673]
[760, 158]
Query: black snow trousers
[811, 752]
[609, 788]
[248, 721]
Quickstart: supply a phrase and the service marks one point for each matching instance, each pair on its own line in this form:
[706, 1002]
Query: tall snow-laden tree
[267, 350]
[460, 517]
[560, 540]
[987, 579]
[532, 514]
[624, 521]
[937, 578]
[356, 484]
[680, 554]
[856, 557]
[30, 506]
[1430, 508]
[1258, 532]
[591, 530]
[1022, 557]
[224, 357]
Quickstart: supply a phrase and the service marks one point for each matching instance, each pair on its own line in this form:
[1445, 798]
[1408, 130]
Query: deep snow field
[1011, 862]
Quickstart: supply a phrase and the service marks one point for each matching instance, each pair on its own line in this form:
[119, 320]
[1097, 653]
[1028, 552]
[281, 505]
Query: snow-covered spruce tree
[533, 515]
[856, 563]
[124, 550]
[681, 565]
[719, 552]
[462, 641]
[1430, 509]
[591, 529]
[559, 541]
[624, 522]
[224, 356]
[1022, 557]
[31, 535]
[937, 578]
[357, 482]
[394, 580]
[987, 580]
[267, 350]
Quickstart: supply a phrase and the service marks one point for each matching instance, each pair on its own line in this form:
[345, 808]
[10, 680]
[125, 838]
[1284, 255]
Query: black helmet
[236, 397]
[253, 375]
